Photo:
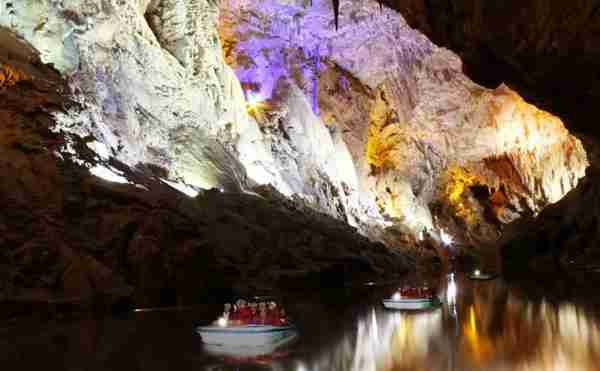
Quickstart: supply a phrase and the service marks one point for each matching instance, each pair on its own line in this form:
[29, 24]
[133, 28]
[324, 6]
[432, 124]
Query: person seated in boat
[244, 314]
[234, 315]
[427, 292]
[283, 319]
[273, 314]
[253, 313]
[262, 313]
[404, 292]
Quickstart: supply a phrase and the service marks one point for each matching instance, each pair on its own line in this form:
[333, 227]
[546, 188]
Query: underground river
[480, 326]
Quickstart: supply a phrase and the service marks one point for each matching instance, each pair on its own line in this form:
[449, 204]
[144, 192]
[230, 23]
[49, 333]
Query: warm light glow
[222, 322]
[397, 296]
[479, 346]
[477, 272]
[10, 76]
[459, 179]
[255, 106]
[384, 137]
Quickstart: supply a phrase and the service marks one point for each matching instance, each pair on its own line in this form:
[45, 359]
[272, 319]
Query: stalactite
[336, 12]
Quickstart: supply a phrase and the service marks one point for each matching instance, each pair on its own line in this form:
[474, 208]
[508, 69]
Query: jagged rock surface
[157, 91]
[563, 238]
[548, 51]
[409, 115]
[70, 236]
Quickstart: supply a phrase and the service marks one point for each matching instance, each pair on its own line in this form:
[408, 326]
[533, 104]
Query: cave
[160, 158]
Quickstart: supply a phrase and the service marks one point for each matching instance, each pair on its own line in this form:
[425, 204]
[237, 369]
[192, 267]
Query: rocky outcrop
[413, 122]
[370, 123]
[548, 51]
[158, 92]
[155, 89]
[563, 238]
[68, 235]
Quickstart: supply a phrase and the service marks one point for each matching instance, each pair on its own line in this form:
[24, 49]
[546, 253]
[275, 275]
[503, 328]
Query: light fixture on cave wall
[255, 104]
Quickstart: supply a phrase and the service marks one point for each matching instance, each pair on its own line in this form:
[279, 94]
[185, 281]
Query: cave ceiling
[547, 50]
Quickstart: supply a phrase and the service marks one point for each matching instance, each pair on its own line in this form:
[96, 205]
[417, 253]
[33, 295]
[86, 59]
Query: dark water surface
[485, 326]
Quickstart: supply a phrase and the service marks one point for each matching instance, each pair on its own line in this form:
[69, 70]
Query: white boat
[482, 276]
[406, 303]
[247, 336]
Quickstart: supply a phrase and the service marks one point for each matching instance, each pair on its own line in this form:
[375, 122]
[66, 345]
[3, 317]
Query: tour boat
[482, 276]
[247, 336]
[407, 303]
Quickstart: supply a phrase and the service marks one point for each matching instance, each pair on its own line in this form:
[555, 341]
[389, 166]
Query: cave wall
[408, 113]
[371, 123]
[156, 91]
[547, 50]
[71, 239]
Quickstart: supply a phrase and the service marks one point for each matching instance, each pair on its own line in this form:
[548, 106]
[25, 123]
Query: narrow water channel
[484, 326]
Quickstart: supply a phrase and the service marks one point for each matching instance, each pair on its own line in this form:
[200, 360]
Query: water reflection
[481, 326]
[488, 327]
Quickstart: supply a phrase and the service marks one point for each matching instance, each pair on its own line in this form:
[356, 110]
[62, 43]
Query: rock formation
[360, 118]
[414, 124]
[70, 236]
[549, 52]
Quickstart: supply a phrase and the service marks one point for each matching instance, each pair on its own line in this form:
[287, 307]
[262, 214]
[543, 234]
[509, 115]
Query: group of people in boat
[416, 292]
[254, 313]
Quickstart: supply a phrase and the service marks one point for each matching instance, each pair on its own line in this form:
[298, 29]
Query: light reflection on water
[489, 328]
[481, 326]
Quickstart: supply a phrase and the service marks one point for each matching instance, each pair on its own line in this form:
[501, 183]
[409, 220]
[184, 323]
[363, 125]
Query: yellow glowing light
[397, 296]
[477, 272]
[384, 136]
[480, 346]
[459, 179]
[222, 322]
[257, 109]
[9, 76]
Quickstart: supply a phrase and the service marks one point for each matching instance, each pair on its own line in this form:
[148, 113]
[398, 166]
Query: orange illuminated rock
[10, 76]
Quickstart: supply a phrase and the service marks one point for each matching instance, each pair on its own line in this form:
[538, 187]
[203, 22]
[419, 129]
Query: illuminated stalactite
[10, 76]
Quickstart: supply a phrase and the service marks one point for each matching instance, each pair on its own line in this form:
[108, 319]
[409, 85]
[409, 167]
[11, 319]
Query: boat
[268, 337]
[481, 276]
[406, 303]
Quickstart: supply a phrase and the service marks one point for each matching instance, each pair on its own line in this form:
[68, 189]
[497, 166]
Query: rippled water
[485, 326]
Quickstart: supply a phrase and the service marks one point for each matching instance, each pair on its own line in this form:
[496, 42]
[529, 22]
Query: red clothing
[234, 315]
[273, 318]
[244, 315]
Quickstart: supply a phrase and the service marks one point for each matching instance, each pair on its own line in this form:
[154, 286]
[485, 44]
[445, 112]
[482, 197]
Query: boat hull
[409, 304]
[246, 336]
[482, 277]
